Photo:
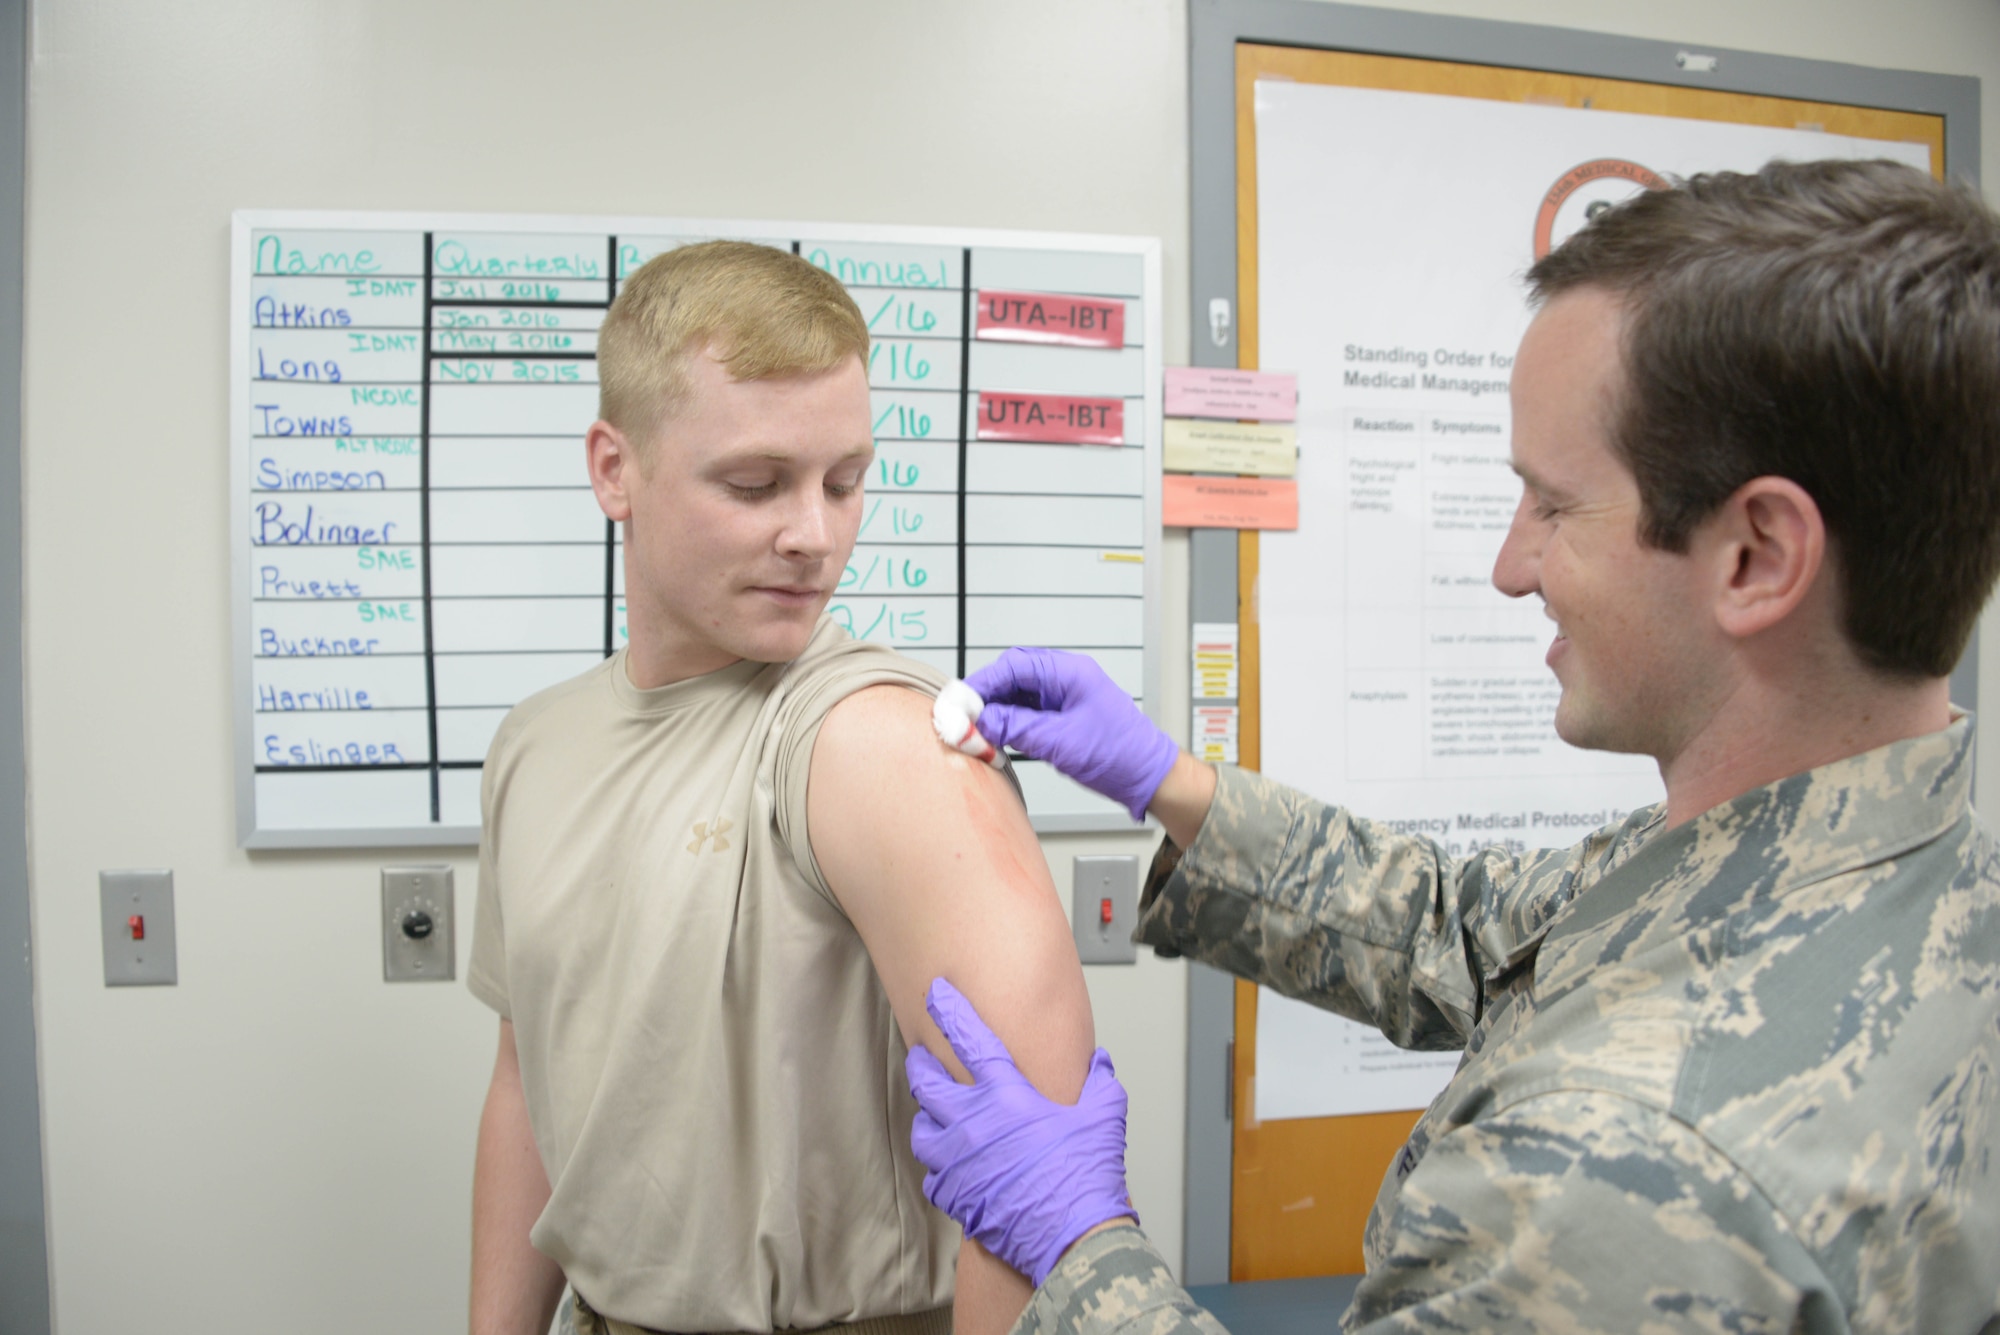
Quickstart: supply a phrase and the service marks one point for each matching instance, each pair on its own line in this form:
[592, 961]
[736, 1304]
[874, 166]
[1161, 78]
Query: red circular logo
[1587, 189]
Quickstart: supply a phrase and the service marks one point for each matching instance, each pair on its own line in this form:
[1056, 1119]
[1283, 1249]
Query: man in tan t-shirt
[707, 899]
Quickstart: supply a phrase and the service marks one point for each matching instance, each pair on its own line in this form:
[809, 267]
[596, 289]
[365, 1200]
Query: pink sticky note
[1214, 391]
[1058, 418]
[1039, 317]
[1229, 502]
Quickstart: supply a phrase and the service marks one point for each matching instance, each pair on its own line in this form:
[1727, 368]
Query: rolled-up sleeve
[1114, 1283]
[1349, 914]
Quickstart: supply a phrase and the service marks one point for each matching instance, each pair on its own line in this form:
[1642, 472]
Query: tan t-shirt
[712, 1071]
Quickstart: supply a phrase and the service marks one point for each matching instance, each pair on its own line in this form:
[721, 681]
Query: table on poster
[418, 547]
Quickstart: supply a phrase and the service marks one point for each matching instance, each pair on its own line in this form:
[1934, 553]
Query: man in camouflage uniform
[1732, 1064]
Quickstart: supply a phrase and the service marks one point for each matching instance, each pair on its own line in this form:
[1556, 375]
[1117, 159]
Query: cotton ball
[954, 714]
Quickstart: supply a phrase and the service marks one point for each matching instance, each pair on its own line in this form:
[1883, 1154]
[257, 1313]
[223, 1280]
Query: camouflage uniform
[1741, 1075]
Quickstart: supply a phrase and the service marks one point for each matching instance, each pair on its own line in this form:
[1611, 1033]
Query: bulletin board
[1352, 114]
[417, 547]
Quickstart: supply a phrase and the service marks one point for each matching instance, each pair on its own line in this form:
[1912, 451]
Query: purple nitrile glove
[1062, 708]
[1025, 1176]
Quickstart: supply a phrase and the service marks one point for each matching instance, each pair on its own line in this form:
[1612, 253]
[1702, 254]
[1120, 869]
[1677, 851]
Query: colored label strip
[1057, 418]
[1041, 317]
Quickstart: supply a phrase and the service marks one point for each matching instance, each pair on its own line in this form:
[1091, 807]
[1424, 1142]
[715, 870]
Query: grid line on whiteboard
[610, 525]
[964, 438]
[424, 531]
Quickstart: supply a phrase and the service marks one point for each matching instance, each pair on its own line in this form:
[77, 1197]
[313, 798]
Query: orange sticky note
[1229, 502]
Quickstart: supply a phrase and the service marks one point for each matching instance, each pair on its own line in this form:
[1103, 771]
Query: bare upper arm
[931, 855]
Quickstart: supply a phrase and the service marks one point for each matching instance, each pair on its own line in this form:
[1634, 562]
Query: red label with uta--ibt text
[1057, 418]
[1042, 317]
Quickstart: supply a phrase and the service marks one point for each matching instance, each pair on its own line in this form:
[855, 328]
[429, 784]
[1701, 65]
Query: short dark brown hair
[1834, 323]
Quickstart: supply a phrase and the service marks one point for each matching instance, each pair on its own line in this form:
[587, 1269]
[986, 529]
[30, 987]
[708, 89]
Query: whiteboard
[416, 547]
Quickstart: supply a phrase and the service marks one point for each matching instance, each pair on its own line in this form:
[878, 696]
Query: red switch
[1104, 912]
[137, 922]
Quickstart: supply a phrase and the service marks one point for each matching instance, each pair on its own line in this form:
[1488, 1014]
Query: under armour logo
[702, 834]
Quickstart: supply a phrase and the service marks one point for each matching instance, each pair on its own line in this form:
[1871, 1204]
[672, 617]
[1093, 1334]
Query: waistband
[584, 1321]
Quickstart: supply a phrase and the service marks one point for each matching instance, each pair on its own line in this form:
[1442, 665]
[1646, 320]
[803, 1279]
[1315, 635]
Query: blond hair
[759, 311]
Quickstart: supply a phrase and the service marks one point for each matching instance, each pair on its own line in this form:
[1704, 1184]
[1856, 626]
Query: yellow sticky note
[1230, 447]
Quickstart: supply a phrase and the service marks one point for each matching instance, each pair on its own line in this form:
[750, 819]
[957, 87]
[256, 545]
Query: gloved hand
[1062, 708]
[1023, 1175]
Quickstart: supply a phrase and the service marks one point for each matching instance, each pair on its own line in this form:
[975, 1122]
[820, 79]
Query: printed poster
[1407, 687]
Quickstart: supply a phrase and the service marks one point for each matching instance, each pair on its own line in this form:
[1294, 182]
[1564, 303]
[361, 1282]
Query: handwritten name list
[425, 551]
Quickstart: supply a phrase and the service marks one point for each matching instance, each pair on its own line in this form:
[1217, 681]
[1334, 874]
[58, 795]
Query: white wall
[282, 1139]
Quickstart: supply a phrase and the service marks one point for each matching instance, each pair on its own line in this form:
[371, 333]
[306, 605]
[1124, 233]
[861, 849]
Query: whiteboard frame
[244, 222]
[1214, 29]
[24, 1269]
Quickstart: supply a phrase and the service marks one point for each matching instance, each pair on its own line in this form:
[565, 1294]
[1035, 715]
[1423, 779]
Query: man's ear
[1769, 546]
[613, 469]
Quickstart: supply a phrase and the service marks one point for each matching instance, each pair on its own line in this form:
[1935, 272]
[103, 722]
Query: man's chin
[780, 640]
[1574, 723]
[1591, 731]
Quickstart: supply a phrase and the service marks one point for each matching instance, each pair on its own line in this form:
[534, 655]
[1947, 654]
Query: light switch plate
[138, 912]
[1093, 880]
[418, 943]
